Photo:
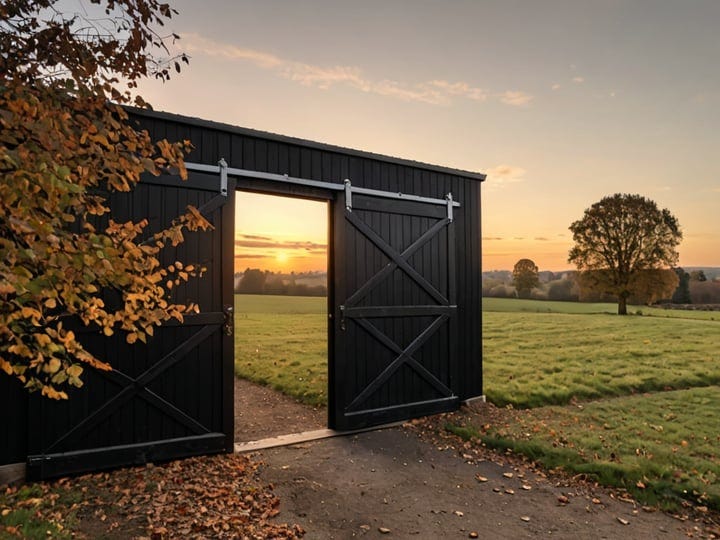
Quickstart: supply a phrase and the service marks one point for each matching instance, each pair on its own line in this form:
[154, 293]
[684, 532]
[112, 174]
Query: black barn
[404, 329]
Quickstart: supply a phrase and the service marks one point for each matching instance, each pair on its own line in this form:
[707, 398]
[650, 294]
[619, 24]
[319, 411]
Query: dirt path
[411, 485]
[261, 412]
[391, 479]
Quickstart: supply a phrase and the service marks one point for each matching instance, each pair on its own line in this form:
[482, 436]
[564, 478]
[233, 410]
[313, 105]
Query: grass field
[532, 359]
[281, 341]
[662, 447]
[517, 305]
[631, 401]
[653, 428]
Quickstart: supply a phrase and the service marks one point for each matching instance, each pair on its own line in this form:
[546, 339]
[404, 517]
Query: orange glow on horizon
[280, 234]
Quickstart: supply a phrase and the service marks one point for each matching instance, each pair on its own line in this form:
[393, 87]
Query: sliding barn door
[394, 330]
[172, 397]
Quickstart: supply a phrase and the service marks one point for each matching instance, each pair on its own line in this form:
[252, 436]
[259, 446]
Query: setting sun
[280, 233]
[281, 257]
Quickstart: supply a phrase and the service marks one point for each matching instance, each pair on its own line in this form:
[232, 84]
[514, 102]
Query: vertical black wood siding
[21, 430]
[247, 149]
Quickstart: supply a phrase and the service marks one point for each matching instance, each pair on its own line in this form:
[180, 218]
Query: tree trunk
[622, 305]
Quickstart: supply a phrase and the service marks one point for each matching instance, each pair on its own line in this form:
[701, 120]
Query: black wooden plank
[288, 190]
[398, 206]
[404, 357]
[273, 159]
[398, 259]
[383, 415]
[337, 278]
[397, 311]
[293, 162]
[226, 359]
[14, 422]
[248, 154]
[46, 466]
[128, 392]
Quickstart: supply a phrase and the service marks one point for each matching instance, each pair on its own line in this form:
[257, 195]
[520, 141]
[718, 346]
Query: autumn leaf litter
[204, 497]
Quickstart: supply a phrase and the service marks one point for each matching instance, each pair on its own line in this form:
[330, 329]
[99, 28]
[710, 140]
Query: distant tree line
[256, 281]
[692, 288]
[625, 250]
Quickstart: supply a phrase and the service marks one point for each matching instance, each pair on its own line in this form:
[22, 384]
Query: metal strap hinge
[223, 177]
[348, 195]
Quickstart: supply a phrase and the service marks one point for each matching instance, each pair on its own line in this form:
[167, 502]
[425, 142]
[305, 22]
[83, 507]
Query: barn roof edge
[195, 121]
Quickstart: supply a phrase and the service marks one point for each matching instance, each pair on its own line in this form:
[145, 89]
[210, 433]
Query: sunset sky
[559, 102]
[296, 243]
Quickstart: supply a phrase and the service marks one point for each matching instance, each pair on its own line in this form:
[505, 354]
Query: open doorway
[281, 323]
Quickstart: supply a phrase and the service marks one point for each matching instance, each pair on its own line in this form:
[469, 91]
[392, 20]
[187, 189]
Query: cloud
[578, 80]
[516, 98]
[249, 256]
[555, 86]
[433, 92]
[502, 175]
[541, 239]
[274, 244]
[460, 89]
[488, 238]
[255, 237]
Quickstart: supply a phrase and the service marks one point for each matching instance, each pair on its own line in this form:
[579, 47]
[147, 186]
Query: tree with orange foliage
[65, 140]
[622, 245]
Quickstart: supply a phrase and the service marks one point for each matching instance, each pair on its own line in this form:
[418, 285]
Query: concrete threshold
[303, 436]
[12, 474]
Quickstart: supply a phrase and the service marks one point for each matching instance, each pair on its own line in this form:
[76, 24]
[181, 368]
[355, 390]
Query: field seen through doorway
[629, 401]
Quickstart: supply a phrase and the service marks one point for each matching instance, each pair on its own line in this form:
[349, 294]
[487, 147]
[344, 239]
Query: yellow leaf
[74, 370]
[53, 365]
[50, 303]
[6, 366]
[50, 392]
[131, 338]
[108, 331]
[29, 312]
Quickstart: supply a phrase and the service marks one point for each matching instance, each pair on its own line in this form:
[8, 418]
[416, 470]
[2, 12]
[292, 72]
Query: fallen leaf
[458, 513]
[562, 499]
[508, 475]
[623, 521]
[384, 530]
[473, 534]
[526, 487]
[480, 478]
[525, 518]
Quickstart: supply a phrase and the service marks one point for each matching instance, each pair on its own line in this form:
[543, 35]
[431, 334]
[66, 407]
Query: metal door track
[304, 436]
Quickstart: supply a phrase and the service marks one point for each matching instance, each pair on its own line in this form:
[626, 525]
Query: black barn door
[171, 397]
[394, 331]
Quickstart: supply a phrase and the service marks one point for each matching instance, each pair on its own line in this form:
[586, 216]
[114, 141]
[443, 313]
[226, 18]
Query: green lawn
[662, 447]
[281, 341]
[532, 359]
[515, 305]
